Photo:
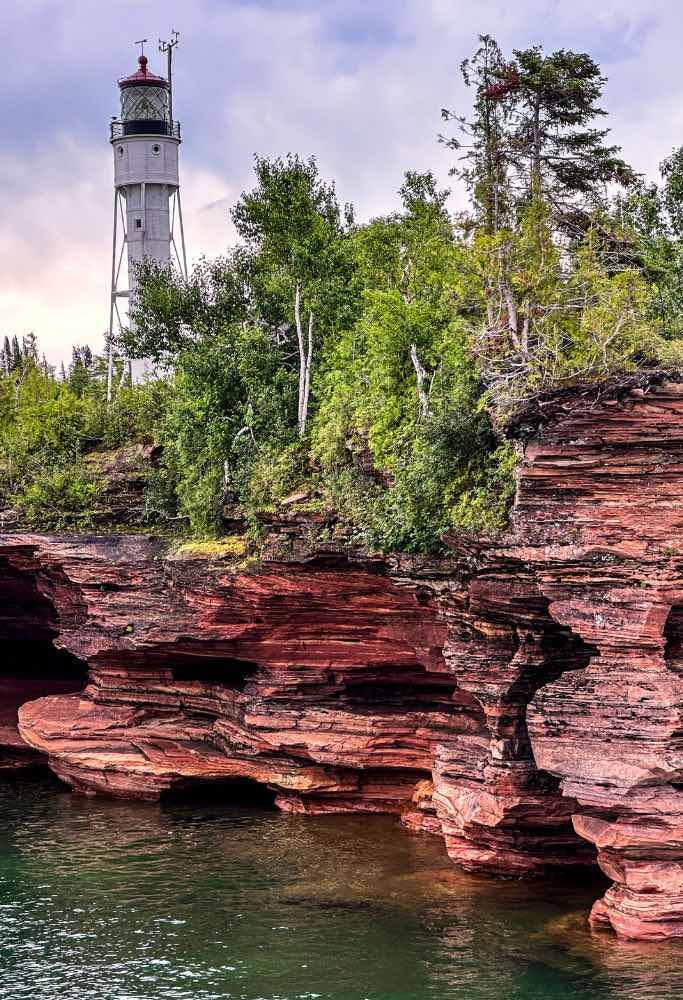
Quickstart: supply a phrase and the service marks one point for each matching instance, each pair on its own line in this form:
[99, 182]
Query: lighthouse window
[138, 223]
[156, 149]
[120, 150]
[144, 103]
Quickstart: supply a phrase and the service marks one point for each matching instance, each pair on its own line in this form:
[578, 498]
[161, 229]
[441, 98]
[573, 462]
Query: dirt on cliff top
[583, 395]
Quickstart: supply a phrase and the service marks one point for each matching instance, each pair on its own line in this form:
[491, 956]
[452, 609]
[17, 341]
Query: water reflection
[127, 901]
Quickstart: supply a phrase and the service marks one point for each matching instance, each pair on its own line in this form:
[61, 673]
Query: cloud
[55, 242]
[358, 84]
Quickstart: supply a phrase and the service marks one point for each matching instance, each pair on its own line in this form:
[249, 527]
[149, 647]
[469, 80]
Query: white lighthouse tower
[145, 140]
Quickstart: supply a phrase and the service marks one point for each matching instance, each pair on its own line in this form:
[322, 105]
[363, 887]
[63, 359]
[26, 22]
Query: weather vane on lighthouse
[145, 140]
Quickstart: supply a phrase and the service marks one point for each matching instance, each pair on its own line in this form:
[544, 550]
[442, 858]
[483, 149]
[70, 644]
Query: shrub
[60, 498]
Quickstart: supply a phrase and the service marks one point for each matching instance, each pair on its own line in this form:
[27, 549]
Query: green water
[117, 901]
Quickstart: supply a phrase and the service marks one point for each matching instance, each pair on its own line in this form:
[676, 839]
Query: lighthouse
[145, 141]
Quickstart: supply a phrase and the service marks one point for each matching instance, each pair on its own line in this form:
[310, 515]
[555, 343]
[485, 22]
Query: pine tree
[6, 357]
[17, 359]
[560, 155]
[87, 358]
[29, 347]
[533, 135]
[484, 149]
[78, 377]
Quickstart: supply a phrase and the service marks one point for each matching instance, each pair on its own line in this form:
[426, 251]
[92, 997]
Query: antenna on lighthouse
[168, 47]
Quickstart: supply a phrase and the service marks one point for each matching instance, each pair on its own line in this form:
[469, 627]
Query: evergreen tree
[560, 155]
[29, 347]
[650, 224]
[79, 375]
[485, 149]
[17, 359]
[533, 135]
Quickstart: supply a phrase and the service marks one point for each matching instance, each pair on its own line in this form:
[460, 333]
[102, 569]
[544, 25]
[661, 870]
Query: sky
[357, 83]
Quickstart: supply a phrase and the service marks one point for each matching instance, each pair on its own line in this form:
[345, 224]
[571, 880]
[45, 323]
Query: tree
[80, 370]
[384, 366]
[560, 155]
[170, 315]
[487, 152]
[295, 238]
[533, 135]
[650, 221]
[17, 357]
[234, 383]
[538, 171]
[29, 347]
[399, 434]
[6, 357]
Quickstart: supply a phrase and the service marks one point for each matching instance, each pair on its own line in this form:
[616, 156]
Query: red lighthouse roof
[143, 76]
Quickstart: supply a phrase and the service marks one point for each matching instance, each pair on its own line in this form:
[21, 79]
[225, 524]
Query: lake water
[103, 900]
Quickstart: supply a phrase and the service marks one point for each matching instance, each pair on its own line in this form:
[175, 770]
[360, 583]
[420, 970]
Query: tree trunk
[536, 168]
[122, 379]
[524, 345]
[302, 353]
[513, 321]
[303, 416]
[421, 373]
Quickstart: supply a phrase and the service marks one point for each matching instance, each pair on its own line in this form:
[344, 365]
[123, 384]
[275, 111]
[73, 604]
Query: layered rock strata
[522, 700]
[599, 522]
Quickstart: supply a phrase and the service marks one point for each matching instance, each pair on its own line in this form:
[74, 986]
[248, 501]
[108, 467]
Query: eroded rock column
[499, 812]
[599, 521]
[611, 732]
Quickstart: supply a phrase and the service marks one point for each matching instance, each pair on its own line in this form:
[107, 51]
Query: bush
[60, 498]
[272, 474]
[135, 413]
[485, 506]
[160, 497]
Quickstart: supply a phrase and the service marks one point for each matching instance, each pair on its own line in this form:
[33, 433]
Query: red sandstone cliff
[507, 700]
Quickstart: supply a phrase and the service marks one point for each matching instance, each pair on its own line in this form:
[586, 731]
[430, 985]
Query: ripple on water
[118, 901]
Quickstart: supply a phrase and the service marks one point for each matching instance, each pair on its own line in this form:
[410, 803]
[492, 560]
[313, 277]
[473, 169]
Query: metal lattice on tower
[145, 140]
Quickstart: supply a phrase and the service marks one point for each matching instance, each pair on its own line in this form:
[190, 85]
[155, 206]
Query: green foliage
[160, 497]
[533, 135]
[408, 269]
[231, 335]
[220, 412]
[485, 505]
[484, 152]
[171, 315]
[650, 226]
[553, 126]
[395, 456]
[373, 363]
[272, 474]
[58, 498]
[41, 423]
[445, 472]
[47, 426]
[136, 413]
